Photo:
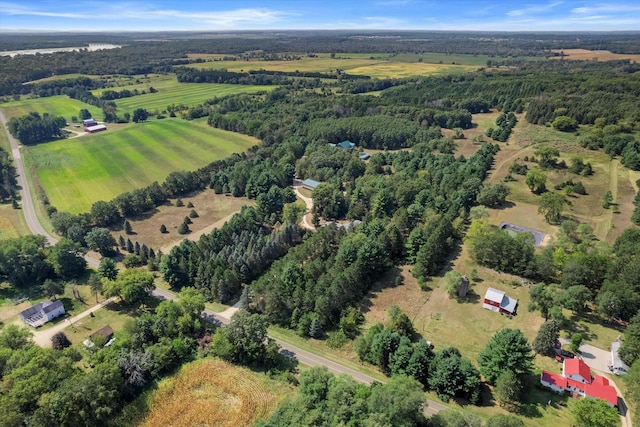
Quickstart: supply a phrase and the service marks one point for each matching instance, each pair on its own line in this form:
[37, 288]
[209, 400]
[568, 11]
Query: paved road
[299, 354]
[28, 206]
[44, 337]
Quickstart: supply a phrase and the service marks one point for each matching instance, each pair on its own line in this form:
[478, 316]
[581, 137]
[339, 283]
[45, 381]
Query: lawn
[109, 315]
[77, 172]
[213, 392]
[596, 55]
[182, 93]
[60, 105]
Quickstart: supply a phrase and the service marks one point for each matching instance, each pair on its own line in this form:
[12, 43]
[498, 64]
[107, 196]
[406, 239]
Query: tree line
[34, 128]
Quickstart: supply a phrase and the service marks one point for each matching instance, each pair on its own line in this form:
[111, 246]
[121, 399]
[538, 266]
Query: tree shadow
[470, 298]
[388, 280]
[506, 205]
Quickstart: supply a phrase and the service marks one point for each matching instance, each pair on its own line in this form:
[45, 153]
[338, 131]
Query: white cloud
[138, 11]
[534, 9]
[606, 8]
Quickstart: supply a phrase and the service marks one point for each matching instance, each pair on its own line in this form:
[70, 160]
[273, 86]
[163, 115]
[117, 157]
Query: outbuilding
[496, 300]
[310, 184]
[617, 366]
[95, 128]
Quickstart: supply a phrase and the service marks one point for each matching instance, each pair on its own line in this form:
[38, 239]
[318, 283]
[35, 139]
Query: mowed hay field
[210, 392]
[376, 68]
[76, 173]
[183, 93]
[59, 105]
[597, 55]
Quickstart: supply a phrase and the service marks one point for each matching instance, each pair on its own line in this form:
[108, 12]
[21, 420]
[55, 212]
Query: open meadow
[213, 211]
[213, 392]
[359, 64]
[173, 92]
[76, 173]
[608, 174]
[59, 105]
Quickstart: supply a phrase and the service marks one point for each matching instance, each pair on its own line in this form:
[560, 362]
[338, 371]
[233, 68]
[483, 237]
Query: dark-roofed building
[42, 313]
[105, 332]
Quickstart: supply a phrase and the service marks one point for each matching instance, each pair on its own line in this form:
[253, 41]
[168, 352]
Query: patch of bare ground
[212, 209]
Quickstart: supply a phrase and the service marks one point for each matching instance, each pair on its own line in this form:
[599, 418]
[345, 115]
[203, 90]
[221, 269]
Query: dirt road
[307, 201]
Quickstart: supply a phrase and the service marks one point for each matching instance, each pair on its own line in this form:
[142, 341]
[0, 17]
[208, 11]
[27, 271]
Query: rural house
[89, 122]
[42, 313]
[576, 379]
[617, 366]
[496, 300]
[310, 184]
[345, 145]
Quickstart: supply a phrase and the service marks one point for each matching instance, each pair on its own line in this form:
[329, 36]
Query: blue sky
[216, 15]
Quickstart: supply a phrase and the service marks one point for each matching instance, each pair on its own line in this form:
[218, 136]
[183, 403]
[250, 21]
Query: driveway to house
[42, 337]
[599, 360]
[297, 184]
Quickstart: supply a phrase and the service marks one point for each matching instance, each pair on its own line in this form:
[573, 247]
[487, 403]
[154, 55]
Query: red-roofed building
[576, 378]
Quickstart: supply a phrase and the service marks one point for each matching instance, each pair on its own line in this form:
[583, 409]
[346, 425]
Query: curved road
[301, 355]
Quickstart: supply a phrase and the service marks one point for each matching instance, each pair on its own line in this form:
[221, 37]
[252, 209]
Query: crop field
[360, 64]
[183, 93]
[77, 172]
[213, 392]
[596, 55]
[435, 58]
[59, 105]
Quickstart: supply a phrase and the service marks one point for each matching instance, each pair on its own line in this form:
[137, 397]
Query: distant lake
[90, 47]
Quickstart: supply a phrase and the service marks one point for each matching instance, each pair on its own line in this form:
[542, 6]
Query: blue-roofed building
[310, 184]
[347, 145]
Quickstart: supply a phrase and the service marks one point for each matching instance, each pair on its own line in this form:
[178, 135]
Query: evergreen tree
[548, 335]
[122, 243]
[315, 330]
[127, 227]
[193, 214]
[136, 249]
[163, 229]
[183, 228]
[508, 349]
[129, 246]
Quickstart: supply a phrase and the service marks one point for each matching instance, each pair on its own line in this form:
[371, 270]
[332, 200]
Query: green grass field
[60, 105]
[78, 172]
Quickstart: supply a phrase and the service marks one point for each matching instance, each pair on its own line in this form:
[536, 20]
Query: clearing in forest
[213, 211]
[78, 172]
[213, 392]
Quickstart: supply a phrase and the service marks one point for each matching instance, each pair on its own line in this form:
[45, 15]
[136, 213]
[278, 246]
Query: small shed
[89, 122]
[496, 300]
[310, 184]
[364, 156]
[105, 333]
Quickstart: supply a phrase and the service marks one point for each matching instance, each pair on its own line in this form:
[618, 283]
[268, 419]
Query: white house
[42, 313]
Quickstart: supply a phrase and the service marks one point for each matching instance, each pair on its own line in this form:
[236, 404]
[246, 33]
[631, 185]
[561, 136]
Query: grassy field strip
[184, 93]
[76, 173]
[60, 105]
